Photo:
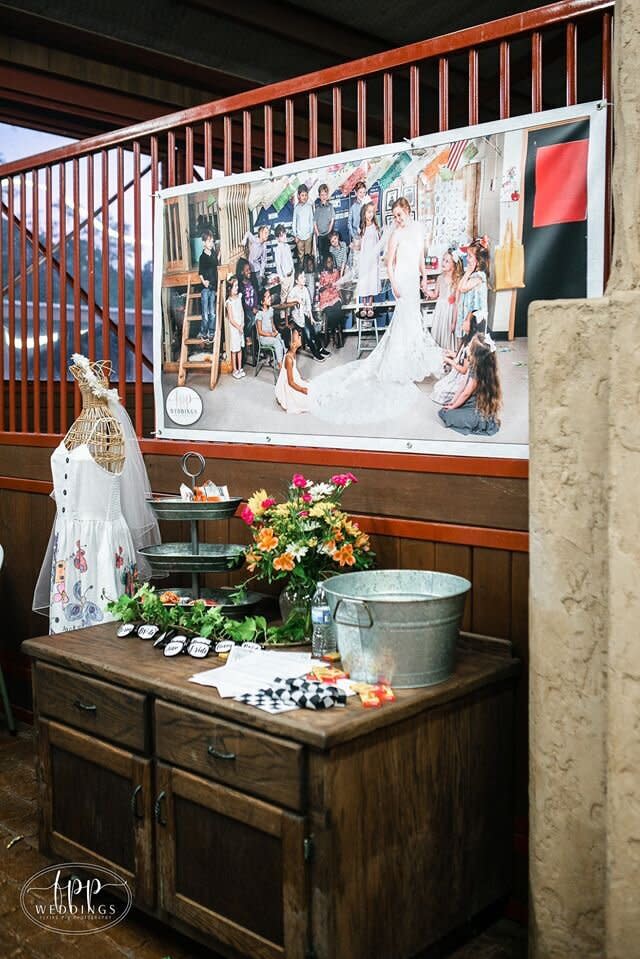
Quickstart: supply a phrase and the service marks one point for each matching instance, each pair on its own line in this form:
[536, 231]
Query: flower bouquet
[304, 539]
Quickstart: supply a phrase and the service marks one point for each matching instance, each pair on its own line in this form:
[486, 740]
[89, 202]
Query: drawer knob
[87, 707]
[218, 754]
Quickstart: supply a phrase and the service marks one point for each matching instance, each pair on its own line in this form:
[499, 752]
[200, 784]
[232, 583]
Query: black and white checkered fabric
[288, 694]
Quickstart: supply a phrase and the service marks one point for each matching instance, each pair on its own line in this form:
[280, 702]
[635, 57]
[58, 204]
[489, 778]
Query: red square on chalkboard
[561, 183]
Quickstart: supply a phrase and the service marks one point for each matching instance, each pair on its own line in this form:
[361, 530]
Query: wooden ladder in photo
[211, 364]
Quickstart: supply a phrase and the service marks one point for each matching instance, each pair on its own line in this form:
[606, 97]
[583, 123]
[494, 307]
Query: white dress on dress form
[382, 386]
[94, 558]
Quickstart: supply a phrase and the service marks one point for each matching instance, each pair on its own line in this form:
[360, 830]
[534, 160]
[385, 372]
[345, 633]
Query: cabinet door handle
[135, 807]
[218, 754]
[158, 808]
[87, 707]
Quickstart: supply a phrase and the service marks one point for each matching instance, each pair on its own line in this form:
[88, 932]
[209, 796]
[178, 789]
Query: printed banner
[376, 299]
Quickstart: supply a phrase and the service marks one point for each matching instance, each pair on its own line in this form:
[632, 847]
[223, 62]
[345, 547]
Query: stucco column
[585, 583]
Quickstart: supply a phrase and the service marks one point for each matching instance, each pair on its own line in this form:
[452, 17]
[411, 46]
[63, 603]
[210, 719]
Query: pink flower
[307, 498]
[303, 512]
[343, 479]
[247, 515]
[266, 503]
[299, 481]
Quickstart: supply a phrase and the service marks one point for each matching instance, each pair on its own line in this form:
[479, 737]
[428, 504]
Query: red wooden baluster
[414, 101]
[336, 102]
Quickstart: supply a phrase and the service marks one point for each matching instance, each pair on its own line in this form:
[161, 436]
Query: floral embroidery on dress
[59, 584]
[79, 558]
[119, 558]
[82, 611]
[130, 578]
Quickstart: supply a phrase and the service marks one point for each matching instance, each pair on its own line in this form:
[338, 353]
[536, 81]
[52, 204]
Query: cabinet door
[96, 805]
[231, 866]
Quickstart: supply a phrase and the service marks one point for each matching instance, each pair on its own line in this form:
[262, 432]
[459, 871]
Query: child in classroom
[208, 272]
[267, 333]
[257, 252]
[355, 212]
[456, 364]
[444, 314]
[309, 267]
[475, 407]
[302, 225]
[368, 284]
[302, 316]
[338, 250]
[291, 389]
[235, 316]
[323, 220]
[283, 262]
[473, 286]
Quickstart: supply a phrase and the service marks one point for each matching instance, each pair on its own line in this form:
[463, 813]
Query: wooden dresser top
[135, 664]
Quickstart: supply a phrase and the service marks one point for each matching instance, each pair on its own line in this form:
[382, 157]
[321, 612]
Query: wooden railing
[82, 212]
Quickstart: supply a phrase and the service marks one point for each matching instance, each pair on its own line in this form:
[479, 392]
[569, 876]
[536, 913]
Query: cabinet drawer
[230, 753]
[109, 712]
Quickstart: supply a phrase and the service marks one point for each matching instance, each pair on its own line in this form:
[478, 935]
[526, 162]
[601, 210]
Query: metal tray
[173, 507]
[221, 595]
[179, 558]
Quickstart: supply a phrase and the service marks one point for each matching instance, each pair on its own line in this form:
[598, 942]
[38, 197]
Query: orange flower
[362, 540]
[284, 561]
[345, 556]
[252, 561]
[266, 541]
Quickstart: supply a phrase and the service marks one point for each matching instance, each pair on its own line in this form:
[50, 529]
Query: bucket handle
[359, 602]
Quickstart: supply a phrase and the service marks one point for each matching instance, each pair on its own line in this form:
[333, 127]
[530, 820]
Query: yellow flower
[282, 509]
[362, 540]
[313, 542]
[351, 528]
[319, 509]
[255, 502]
[252, 561]
[284, 561]
[266, 541]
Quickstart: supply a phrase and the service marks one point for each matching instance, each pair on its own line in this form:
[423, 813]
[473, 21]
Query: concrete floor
[242, 406]
[137, 937]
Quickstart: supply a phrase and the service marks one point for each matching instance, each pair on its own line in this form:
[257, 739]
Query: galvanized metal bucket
[397, 625]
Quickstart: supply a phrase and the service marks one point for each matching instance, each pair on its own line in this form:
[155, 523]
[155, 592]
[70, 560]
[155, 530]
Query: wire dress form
[103, 518]
[383, 386]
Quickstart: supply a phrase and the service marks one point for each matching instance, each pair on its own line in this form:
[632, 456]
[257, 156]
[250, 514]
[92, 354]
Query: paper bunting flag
[360, 173]
[431, 170]
[394, 171]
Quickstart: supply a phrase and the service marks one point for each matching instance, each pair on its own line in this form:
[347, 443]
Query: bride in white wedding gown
[382, 386]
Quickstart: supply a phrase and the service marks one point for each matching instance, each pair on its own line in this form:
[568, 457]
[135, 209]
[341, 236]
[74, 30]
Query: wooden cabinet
[337, 835]
[95, 804]
[231, 866]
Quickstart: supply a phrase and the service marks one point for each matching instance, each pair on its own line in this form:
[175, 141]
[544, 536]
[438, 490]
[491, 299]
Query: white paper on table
[249, 670]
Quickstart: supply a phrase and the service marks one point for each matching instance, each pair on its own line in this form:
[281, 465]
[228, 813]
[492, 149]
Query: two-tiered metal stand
[195, 557]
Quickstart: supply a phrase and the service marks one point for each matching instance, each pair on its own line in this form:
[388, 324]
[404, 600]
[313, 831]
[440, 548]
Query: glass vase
[298, 597]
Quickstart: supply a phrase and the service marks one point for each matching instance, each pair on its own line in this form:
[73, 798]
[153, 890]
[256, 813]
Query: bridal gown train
[383, 386]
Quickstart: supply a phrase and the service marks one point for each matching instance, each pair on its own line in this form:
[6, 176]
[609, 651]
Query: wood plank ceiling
[81, 69]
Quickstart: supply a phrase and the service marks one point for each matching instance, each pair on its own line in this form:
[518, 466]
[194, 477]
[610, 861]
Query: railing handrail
[490, 32]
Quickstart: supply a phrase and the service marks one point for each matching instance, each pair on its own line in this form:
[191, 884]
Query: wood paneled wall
[419, 520]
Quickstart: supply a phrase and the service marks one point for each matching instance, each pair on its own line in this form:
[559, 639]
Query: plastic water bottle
[323, 639]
